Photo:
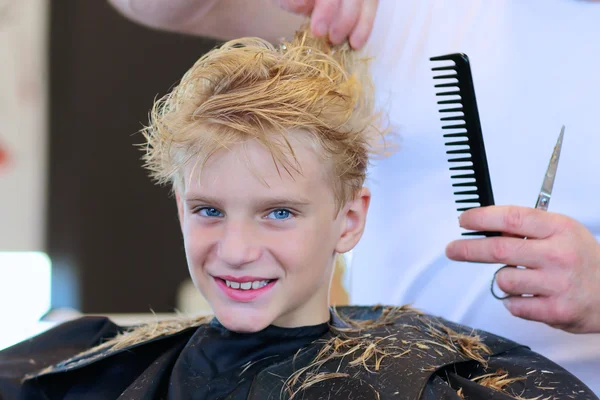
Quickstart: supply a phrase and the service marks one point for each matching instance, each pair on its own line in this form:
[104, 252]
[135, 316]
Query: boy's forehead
[250, 163]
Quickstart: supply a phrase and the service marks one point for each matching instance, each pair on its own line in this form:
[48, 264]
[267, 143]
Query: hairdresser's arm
[270, 19]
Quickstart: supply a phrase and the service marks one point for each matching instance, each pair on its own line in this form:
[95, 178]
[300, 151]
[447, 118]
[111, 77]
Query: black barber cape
[382, 353]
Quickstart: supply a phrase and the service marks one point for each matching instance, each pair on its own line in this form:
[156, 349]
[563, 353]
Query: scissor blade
[553, 165]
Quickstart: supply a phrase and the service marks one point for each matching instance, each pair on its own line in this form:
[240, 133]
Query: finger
[345, 21]
[519, 281]
[542, 309]
[323, 15]
[364, 26]
[514, 220]
[499, 250]
[302, 7]
[529, 308]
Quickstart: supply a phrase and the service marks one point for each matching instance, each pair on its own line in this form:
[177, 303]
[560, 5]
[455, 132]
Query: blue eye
[210, 212]
[280, 214]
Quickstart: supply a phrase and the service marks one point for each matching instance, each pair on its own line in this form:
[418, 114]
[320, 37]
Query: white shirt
[535, 67]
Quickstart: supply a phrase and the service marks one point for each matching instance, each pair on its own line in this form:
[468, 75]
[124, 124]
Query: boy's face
[260, 246]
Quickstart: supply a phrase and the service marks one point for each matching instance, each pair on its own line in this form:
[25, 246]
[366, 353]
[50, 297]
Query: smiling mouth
[245, 290]
[248, 285]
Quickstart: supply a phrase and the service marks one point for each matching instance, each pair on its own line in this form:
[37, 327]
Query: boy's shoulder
[85, 342]
[111, 339]
[401, 353]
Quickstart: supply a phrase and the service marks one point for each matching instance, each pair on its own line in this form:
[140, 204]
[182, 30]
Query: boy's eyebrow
[261, 203]
[282, 201]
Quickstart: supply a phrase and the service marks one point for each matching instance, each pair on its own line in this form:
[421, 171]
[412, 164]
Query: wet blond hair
[249, 89]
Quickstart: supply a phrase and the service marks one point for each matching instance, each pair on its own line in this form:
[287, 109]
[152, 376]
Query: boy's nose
[239, 245]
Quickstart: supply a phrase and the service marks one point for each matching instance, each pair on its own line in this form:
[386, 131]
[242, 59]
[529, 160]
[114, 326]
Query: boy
[267, 150]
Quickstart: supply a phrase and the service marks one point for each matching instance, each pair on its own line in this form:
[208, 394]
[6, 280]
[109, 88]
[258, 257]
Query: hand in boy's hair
[341, 20]
[562, 259]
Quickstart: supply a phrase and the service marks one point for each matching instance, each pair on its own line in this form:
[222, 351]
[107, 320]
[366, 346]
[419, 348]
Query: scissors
[543, 198]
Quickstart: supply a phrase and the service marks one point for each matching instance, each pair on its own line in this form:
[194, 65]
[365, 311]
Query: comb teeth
[457, 109]
[457, 118]
[462, 168]
[467, 192]
[463, 176]
[451, 76]
[448, 68]
[464, 135]
[449, 102]
[453, 135]
[456, 93]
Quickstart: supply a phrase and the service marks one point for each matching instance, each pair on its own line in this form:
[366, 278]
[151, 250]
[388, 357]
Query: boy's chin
[242, 321]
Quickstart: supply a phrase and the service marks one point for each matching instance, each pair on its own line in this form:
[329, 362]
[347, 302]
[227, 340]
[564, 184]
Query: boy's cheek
[197, 253]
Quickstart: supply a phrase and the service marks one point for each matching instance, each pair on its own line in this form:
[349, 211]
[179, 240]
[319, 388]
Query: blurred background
[81, 226]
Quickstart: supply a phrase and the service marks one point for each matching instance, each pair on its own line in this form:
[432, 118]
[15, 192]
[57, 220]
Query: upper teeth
[246, 285]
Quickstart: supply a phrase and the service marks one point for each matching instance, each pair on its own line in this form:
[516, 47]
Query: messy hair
[249, 89]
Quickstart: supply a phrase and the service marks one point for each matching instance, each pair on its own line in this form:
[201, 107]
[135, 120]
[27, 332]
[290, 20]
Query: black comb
[464, 133]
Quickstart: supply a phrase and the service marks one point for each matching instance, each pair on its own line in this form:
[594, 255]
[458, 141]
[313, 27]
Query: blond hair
[250, 89]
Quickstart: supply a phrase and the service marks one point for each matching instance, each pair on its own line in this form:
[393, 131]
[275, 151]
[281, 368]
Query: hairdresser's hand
[562, 259]
[340, 20]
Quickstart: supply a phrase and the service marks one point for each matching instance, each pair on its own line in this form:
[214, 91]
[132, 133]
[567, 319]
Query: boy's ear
[355, 218]
[180, 209]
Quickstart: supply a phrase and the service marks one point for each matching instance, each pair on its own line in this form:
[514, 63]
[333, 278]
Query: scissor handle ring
[494, 280]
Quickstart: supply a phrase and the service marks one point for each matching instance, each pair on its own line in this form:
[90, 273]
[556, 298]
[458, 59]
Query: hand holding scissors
[543, 198]
[559, 283]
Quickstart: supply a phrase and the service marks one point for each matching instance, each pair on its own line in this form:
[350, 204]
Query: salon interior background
[81, 225]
